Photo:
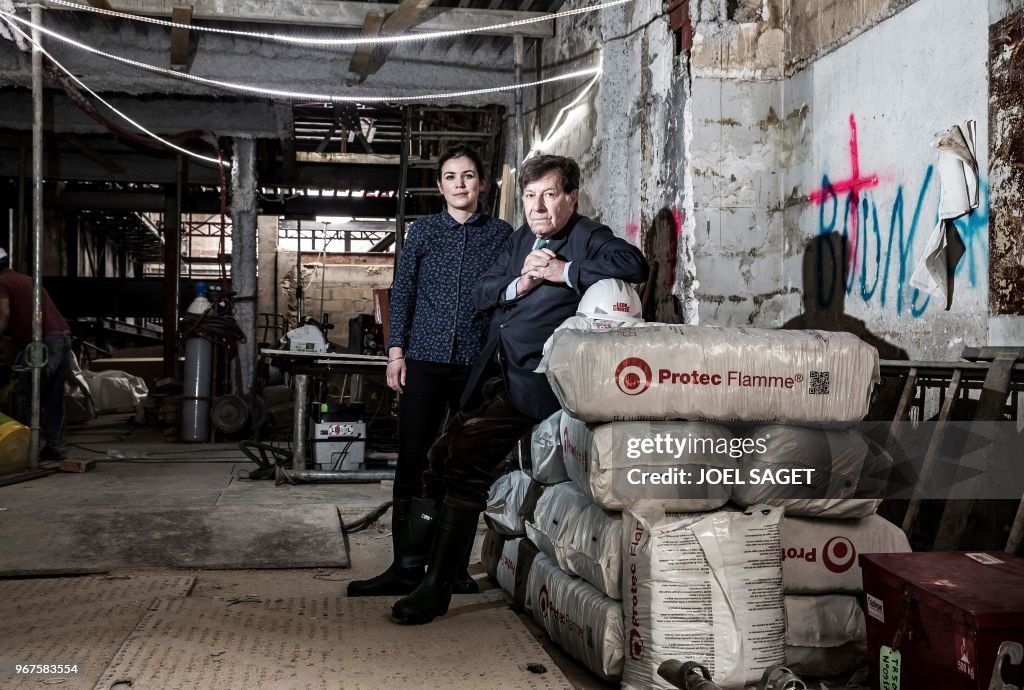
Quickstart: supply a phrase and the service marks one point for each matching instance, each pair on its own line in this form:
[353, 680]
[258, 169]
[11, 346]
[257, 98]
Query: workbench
[302, 365]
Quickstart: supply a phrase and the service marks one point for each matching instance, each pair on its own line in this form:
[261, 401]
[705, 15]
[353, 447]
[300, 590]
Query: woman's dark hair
[461, 151]
[539, 166]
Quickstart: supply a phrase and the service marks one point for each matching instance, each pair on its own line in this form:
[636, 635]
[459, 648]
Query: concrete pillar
[266, 302]
[243, 255]
[172, 271]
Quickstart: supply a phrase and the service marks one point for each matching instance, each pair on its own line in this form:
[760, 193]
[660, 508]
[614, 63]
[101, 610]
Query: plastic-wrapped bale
[544, 462]
[505, 571]
[825, 635]
[821, 556]
[554, 521]
[848, 472]
[701, 372]
[578, 617]
[705, 588]
[595, 551]
[505, 503]
[605, 460]
[490, 552]
[528, 553]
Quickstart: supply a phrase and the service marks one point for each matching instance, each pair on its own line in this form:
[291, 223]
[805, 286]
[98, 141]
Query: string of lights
[298, 95]
[126, 118]
[349, 41]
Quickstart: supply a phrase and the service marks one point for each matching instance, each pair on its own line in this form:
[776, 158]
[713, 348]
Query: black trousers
[471, 453]
[431, 390]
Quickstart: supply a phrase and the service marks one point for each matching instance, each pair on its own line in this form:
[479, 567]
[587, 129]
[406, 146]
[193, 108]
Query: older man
[536, 283]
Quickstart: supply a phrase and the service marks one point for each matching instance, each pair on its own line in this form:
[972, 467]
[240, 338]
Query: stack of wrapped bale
[728, 563]
[512, 498]
[828, 523]
[505, 529]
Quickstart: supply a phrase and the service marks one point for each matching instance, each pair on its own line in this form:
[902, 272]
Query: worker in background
[435, 334]
[16, 321]
[536, 283]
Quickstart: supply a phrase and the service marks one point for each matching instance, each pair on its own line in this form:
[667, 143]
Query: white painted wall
[628, 133]
[902, 81]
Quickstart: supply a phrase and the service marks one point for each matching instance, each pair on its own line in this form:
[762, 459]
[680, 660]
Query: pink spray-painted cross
[853, 184]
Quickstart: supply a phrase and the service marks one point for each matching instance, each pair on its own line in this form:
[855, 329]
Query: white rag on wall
[958, 196]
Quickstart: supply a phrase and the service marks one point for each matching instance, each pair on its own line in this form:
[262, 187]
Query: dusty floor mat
[89, 539]
[74, 621]
[333, 642]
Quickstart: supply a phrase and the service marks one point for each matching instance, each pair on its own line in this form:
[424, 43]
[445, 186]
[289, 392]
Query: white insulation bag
[605, 461]
[703, 372]
[705, 588]
[820, 556]
[505, 501]
[595, 551]
[545, 461]
[825, 635]
[583, 621]
[848, 473]
[506, 572]
[554, 521]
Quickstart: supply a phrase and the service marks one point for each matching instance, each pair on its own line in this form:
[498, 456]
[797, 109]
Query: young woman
[435, 336]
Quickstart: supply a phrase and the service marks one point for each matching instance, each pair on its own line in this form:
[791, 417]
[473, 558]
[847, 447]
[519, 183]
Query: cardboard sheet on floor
[91, 539]
[76, 620]
[330, 642]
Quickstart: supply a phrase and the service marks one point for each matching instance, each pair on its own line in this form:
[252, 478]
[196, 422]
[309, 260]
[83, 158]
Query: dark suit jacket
[521, 326]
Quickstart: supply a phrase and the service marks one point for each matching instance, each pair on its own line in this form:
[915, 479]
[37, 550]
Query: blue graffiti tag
[874, 265]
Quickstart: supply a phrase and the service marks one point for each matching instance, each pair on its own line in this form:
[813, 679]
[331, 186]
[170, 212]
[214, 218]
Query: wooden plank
[180, 38]
[992, 402]
[360, 66]
[932, 454]
[348, 158]
[369, 58]
[332, 13]
[77, 465]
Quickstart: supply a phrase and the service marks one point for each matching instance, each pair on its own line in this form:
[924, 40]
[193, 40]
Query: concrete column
[172, 271]
[266, 298]
[243, 255]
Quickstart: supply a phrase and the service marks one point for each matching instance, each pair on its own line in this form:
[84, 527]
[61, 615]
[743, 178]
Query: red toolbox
[936, 620]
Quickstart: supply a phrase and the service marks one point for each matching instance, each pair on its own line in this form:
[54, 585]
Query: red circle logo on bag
[633, 376]
[543, 600]
[839, 555]
[636, 645]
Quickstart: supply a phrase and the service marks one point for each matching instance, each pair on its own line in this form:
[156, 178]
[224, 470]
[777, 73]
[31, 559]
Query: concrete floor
[110, 485]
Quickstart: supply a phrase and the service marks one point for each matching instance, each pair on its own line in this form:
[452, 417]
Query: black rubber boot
[395, 580]
[414, 550]
[464, 584]
[455, 530]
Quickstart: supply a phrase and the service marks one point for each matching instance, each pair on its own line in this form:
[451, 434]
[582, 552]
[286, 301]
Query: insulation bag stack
[848, 471]
[822, 580]
[828, 634]
[602, 459]
[543, 459]
[723, 374]
[828, 523]
[576, 615]
[705, 588]
[505, 503]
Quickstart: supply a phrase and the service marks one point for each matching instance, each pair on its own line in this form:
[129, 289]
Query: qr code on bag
[819, 383]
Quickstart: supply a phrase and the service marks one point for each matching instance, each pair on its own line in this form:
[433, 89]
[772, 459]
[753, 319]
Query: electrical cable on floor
[367, 519]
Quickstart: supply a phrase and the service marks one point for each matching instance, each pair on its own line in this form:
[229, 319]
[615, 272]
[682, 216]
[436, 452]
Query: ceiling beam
[369, 58]
[332, 13]
[363, 58]
[181, 39]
